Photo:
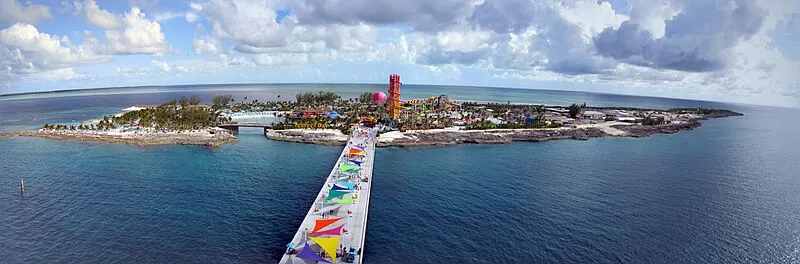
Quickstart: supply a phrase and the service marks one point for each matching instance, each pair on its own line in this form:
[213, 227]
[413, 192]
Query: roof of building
[592, 113]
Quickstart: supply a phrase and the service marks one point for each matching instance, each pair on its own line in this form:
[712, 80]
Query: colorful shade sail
[333, 194]
[347, 184]
[352, 163]
[339, 188]
[336, 231]
[348, 167]
[359, 147]
[329, 244]
[356, 162]
[357, 152]
[322, 223]
[347, 200]
[309, 254]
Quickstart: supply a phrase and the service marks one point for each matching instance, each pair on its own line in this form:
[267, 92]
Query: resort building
[594, 115]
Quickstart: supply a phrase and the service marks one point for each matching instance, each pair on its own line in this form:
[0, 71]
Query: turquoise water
[728, 192]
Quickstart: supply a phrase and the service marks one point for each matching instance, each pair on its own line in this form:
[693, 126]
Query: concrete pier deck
[353, 215]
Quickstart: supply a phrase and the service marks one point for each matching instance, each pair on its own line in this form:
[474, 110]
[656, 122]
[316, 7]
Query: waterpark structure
[394, 96]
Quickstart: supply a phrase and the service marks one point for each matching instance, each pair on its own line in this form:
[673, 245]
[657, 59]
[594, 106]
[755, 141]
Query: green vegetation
[221, 101]
[313, 99]
[575, 109]
[187, 113]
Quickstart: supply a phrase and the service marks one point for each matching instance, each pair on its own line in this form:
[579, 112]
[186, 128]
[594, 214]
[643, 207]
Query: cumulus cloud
[421, 15]
[206, 46]
[12, 11]
[139, 36]
[161, 65]
[698, 39]
[99, 17]
[23, 49]
[683, 46]
[252, 25]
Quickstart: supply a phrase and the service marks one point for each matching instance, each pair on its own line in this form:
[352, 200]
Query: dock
[336, 223]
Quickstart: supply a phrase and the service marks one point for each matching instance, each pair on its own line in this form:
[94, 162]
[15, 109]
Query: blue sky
[724, 50]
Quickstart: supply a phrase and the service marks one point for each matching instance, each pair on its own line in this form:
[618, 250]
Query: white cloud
[161, 65]
[140, 36]
[11, 11]
[547, 40]
[62, 74]
[190, 17]
[23, 49]
[463, 41]
[164, 16]
[206, 46]
[99, 17]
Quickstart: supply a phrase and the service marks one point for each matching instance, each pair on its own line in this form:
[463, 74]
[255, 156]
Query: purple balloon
[378, 98]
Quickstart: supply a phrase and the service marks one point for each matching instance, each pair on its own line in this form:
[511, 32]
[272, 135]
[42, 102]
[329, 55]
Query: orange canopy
[322, 223]
[355, 151]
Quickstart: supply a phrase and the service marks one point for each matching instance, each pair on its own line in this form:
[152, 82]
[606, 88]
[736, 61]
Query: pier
[335, 226]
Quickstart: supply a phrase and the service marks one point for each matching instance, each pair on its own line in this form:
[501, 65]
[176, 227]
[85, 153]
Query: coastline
[140, 139]
[411, 138]
[451, 136]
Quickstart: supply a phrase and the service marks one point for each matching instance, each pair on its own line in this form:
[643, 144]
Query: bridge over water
[236, 126]
[336, 223]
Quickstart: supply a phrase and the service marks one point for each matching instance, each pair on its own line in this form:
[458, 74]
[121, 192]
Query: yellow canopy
[329, 244]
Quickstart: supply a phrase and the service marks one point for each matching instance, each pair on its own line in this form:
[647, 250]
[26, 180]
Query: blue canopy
[349, 185]
[339, 188]
[334, 114]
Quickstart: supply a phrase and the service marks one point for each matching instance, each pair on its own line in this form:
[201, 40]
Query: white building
[594, 115]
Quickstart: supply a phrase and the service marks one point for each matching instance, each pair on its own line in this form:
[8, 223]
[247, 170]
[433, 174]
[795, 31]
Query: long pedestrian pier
[335, 226]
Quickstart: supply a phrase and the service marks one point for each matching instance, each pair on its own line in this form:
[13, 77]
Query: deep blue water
[728, 192]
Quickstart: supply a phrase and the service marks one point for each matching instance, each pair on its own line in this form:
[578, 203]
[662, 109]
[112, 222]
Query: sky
[743, 51]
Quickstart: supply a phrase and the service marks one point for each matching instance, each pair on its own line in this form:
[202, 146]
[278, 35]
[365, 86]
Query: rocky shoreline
[148, 139]
[445, 137]
[320, 137]
[413, 138]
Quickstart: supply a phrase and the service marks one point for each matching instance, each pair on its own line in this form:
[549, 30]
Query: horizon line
[356, 83]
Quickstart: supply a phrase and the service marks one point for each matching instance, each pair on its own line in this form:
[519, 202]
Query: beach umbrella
[290, 245]
[378, 98]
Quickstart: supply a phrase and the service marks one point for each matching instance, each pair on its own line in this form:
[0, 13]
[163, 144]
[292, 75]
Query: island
[326, 118]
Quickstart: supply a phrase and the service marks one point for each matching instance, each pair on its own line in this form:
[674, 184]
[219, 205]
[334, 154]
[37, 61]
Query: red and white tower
[394, 96]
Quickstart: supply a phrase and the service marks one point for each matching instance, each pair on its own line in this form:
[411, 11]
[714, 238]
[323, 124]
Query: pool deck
[355, 222]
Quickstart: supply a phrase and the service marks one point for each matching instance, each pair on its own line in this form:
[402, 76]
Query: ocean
[727, 192]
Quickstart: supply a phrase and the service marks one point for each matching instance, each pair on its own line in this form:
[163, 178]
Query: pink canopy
[336, 231]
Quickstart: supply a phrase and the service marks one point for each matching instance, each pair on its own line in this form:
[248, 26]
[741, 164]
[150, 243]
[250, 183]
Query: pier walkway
[336, 223]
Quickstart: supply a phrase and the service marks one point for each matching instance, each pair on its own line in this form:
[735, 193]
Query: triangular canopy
[329, 244]
[336, 231]
[347, 200]
[355, 151]
[356, 162]
[352, 163]
[322, 223]
[349, 185]
[359, 147]
[348, 166]
[339, 188]
[309, 254]
[332, 194]
[350, 171]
